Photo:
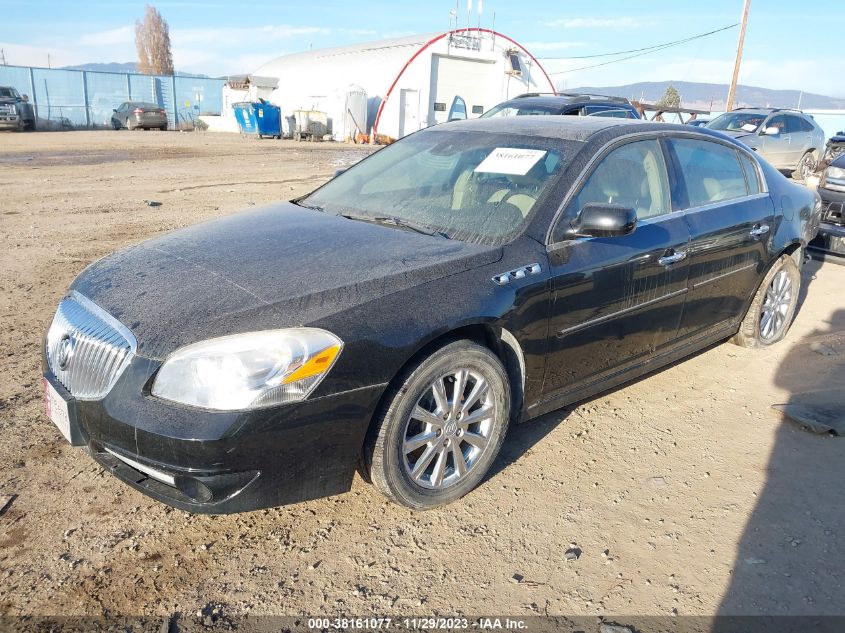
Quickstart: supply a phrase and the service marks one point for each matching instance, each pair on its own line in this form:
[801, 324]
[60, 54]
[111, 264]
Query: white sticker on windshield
[509, 160]
[749, 127]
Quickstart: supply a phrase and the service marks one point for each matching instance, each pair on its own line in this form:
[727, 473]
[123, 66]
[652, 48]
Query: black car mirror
[604, 220]
[338, 172]
[25, 98]
[114, 109]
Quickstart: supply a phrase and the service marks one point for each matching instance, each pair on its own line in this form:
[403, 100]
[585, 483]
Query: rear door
[616, 300]
[731, 219]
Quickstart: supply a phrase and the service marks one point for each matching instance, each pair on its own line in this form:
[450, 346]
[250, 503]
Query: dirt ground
[685, 492]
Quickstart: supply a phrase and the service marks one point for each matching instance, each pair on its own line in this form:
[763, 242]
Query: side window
[752, 175]
[458, 111]
[711, 171]
[806, 126]
[633, 175]
[793, 124]
[779, 122]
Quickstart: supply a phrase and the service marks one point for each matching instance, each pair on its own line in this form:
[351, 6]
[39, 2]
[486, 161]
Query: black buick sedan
[470, 276]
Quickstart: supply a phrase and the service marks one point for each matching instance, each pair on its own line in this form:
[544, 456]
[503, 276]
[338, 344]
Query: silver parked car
[789, 139]
[135, 115]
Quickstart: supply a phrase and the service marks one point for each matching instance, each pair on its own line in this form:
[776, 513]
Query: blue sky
[787, 46]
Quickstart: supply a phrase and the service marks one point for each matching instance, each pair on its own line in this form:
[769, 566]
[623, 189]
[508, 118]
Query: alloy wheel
[805, 169]
[449, 429]
[776, 306]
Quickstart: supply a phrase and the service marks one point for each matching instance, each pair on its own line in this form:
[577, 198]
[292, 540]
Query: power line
[639, 51]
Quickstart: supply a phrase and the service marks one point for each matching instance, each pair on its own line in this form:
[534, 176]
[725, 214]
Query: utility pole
[732, 91]
[2, 57]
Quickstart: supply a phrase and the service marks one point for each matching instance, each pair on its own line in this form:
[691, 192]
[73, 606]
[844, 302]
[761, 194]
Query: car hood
[275, 267]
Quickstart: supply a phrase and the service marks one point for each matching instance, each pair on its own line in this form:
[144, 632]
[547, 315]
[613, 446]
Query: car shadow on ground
[791, 555]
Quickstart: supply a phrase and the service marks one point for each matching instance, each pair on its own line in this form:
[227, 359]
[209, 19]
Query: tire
[163, 128]
[439, 479]
[754, 330]
[129, 125]
[806, 167]
[29, 126]
[115, 124]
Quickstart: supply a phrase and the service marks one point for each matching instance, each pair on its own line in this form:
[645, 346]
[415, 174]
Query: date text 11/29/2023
[418, 623]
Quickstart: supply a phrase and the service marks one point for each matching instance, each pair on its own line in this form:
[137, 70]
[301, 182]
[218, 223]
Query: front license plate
[57, 409]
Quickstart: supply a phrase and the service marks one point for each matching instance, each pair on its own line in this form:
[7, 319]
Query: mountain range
[117, 67]
[712, 97]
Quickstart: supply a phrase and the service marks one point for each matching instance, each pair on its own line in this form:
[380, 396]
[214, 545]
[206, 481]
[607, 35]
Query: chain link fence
[78, 99]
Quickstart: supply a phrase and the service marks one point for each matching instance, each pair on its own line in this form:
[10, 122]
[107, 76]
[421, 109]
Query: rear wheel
[441, 427]
[806, 167]
[773, 308]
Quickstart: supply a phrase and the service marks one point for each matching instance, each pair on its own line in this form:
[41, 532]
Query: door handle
[672, 257]
[758, 230]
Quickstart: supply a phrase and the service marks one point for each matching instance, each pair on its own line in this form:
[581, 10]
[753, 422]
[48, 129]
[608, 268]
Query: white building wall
[313, 79]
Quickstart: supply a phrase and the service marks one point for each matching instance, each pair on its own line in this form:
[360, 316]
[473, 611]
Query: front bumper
[221, 462]
[10, 122]
[829, 244]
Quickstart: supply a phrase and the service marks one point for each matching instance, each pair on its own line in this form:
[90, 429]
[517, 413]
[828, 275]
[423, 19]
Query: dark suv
[565, 104]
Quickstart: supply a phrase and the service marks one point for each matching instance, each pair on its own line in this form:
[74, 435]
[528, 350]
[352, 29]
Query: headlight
[837, 173]
[13, 108]
[248, 371]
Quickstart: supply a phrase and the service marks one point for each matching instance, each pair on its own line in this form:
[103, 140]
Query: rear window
[711, 171]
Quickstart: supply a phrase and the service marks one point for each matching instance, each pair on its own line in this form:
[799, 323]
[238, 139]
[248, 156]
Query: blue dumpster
[259, 119]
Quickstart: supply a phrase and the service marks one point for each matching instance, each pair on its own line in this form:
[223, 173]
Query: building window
[478, 109]
[514, 63]
[440, 107]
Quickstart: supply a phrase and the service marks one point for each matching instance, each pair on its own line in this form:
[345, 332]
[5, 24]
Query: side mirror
[771, 131]
[604, 220]
[25, 98]
[338, 172]
[114, 110]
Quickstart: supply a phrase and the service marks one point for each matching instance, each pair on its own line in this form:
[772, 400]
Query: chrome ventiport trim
[517, 273]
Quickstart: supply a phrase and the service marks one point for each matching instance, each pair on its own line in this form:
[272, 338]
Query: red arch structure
[437, 39]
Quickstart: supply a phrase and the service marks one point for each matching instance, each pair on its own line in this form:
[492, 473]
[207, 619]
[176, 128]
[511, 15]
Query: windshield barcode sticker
[510, 160]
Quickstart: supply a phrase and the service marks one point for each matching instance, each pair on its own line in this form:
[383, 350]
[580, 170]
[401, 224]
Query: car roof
[568, 100]
[573, 128]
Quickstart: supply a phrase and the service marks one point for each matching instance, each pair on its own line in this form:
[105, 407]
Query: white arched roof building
[410, 82]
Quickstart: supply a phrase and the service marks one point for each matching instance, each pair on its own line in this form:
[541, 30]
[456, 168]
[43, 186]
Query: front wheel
[441, 427]
[773, 308]
[806, 167]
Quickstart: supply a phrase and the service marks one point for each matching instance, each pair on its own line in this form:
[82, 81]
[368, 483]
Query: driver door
[616, 300]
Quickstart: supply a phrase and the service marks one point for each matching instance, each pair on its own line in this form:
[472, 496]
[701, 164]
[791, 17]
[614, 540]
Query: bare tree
[152, 39]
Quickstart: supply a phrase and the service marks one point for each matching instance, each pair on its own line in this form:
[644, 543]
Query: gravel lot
[684, 492]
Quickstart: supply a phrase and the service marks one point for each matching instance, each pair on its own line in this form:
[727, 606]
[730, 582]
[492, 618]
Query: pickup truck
[16, 113]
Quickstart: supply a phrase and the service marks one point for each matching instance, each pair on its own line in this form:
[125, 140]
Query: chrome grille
[87, 348]
[7, 109]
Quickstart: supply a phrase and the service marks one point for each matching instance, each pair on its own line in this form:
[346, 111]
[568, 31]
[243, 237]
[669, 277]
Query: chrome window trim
[605, 149]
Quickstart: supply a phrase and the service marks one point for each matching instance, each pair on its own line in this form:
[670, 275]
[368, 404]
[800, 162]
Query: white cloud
[120, 35]
[594, 23]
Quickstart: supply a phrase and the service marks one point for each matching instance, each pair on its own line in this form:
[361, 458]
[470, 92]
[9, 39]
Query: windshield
[470, 186]
[7, 93]
[509, 109]
[737, 122]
